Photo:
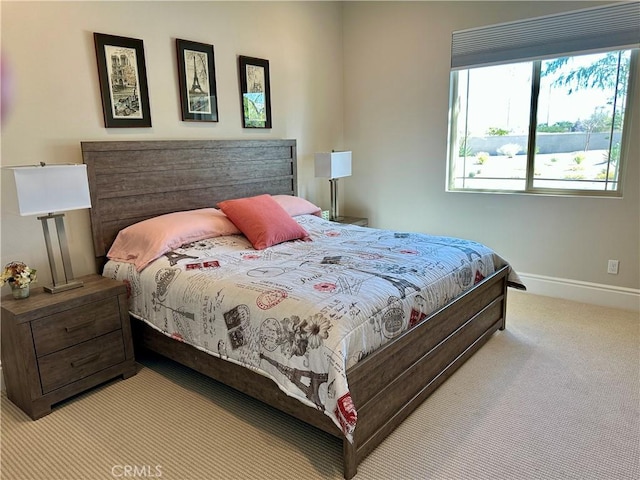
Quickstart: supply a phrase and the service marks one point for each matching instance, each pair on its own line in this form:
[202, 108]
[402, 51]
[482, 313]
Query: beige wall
[49, 48]
[397, 62]
[380, 88]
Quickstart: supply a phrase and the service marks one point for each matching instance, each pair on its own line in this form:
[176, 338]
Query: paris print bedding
[303, 312]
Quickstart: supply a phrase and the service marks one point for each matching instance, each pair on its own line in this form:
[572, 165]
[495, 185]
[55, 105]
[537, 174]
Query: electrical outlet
[612, 267]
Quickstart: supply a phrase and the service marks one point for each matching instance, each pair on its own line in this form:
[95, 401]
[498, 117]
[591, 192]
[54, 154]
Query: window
[550, 124]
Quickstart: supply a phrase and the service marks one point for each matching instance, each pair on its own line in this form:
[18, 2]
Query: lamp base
[333, 214]
[64, 287]
[69, 282]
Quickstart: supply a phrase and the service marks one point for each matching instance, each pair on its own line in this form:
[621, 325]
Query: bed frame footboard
[391, 383]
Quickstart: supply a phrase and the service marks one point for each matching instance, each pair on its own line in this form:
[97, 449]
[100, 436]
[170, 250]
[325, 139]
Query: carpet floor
[554, 396]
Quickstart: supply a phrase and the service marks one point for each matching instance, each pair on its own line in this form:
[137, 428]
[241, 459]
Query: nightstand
[363, 222]
[57, 345]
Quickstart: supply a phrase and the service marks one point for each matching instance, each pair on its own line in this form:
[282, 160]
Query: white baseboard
[585, 292]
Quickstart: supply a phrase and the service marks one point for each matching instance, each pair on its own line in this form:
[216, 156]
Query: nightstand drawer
[76, 325]
[74, 363]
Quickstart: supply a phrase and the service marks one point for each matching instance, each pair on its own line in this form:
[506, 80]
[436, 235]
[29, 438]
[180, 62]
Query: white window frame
[598, 29]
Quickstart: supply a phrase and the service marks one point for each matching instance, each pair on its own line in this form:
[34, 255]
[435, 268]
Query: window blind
[593, 29]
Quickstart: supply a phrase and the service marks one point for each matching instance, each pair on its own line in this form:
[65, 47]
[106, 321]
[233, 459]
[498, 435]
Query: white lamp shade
[52, 188]
[333, 164]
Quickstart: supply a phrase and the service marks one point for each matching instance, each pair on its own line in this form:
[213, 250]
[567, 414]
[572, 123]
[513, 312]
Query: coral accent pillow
[143, 242]
[297, 205]
[262, 220]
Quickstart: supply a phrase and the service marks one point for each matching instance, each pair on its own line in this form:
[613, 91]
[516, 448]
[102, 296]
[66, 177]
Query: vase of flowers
[19, 277]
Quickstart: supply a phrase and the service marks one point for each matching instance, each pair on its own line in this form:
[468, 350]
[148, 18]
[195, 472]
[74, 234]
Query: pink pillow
[297, 206]
[262, 220]
[143, 242]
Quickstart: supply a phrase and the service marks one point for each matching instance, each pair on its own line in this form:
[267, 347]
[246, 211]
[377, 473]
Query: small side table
[57, 345]
[361, 221]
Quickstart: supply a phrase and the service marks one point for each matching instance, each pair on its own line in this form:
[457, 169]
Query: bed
[414, 350]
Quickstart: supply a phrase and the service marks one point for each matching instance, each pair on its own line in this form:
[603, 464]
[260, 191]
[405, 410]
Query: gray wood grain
[134, 181]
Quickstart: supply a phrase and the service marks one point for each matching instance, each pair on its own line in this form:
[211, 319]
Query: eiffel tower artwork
[198, 94]
[195, 87]
[196, 67]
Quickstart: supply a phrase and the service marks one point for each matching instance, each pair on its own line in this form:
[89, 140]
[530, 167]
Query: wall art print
[255, 95]
[123, 81]
[197, 80]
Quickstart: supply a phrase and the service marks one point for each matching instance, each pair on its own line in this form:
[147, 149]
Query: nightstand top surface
[40, 303]
[362, 221]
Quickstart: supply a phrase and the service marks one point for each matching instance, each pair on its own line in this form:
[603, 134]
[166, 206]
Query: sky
[499, 97]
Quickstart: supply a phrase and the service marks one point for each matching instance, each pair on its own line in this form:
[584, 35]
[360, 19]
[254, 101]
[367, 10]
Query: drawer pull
[85, 360]
[80, 325]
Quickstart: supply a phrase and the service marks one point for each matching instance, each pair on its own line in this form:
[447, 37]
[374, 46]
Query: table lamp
[48, 189]
[333, 165]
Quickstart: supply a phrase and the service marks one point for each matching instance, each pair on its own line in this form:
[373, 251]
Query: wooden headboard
[131, 181]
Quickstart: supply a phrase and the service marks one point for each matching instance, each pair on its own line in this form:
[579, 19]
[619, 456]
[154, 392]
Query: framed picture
[123, 81]
[197, 79]
[255, 96]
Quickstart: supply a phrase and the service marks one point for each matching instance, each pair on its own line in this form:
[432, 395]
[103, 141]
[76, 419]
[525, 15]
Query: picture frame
[255, 92]
[123, 81]
[197, 80]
